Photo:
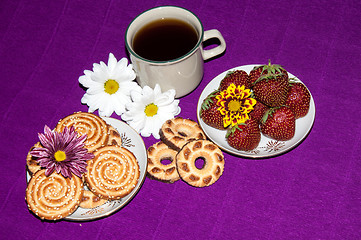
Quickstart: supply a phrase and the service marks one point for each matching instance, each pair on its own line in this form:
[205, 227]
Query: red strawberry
[255, 74]
[245, 136]
[209, 112]
[258, 111]
[271, 88]
[298, 99]
[257, 71]
[238, 77]
[279, 123]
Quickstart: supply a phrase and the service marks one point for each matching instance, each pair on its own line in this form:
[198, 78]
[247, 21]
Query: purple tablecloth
[310, 192]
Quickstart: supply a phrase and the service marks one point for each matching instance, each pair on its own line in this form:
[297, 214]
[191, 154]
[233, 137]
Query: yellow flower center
[111, 86]
[151, 110]
[234, 105]
[60, 156]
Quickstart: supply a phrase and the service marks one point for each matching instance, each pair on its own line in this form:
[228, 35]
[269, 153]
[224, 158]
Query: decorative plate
[267, 147]
[133, 142]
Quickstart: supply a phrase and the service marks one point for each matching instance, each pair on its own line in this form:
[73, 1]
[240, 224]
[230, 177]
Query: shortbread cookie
[90, 200]
[200, 150]
[53, 197]
[113, 172]
[178, 131]
[114, 137]
[90, 124]
[31, 164]
[158, 154]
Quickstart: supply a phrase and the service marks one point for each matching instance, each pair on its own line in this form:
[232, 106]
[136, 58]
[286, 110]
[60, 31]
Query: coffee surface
[165, 39]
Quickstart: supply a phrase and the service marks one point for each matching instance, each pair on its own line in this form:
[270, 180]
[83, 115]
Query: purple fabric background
[311, 192]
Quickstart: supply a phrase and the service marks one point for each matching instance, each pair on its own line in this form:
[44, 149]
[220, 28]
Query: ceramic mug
[183, 73]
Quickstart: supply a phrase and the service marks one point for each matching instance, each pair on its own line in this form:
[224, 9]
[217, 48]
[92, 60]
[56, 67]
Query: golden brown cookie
[90, 200]
[178, 131]
[90, 124]
[202, 150]
[114, 137]
[113, 172]
[158, 156]
[31, 164]
[53, 197]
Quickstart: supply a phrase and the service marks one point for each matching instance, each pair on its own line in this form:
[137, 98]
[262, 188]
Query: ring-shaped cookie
[178, 131]
[157, 154]
[53, 197]
[113, 172]
[90, 124]
[213, 163]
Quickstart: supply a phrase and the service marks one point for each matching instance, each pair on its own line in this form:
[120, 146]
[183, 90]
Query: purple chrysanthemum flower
[63, 152]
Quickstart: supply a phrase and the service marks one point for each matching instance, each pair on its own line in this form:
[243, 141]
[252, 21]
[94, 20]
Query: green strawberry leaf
[232, 130]
[208, 100]
[229, 73]
[269, 112]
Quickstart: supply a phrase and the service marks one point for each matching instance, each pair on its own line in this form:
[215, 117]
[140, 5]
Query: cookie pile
[183, 143]
[112, 174]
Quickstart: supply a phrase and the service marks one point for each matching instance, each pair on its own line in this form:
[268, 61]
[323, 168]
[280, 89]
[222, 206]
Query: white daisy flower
[108, 86]
[150, 109]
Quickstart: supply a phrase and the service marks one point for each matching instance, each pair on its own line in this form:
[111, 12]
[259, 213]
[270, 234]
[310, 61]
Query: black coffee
[165, 39]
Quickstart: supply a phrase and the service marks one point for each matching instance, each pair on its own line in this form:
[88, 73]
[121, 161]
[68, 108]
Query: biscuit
[90, 200]
[31, 162]
[158, 154]
[113, 172]
[212, 168]
[178, 131]
[114, 137]
[90, 124]
[53, 197]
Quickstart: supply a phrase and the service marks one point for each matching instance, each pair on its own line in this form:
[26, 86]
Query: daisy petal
[163, 107]
[98, 96]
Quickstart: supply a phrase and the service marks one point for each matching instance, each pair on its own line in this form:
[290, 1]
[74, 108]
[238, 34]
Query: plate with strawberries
[256, 111]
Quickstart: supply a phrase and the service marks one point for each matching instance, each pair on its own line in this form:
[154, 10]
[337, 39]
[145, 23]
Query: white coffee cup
[182, 74]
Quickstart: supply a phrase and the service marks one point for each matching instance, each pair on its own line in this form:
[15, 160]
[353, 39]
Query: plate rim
[245, 154]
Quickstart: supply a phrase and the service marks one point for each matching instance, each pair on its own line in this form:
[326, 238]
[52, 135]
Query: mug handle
[209, 53]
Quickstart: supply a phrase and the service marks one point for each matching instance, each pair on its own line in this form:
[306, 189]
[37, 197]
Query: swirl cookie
[31, 164]
[90, 200]
[93, 126]
[178, 131]
[212, 168]
[113, 172]
[158, 154]
[53, 197]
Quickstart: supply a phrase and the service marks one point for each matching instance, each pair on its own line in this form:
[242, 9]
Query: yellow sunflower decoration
[234, 104]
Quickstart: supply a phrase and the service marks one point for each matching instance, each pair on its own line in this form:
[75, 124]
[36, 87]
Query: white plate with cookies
[267, 146]
[130, 140]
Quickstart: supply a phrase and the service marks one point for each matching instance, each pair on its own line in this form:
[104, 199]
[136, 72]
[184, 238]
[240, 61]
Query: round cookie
[90, 200]
[31, 164]
[178, 131]
[158, 153]
[212, 168]
[90, 124]
[113, 172]
[53, 197]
